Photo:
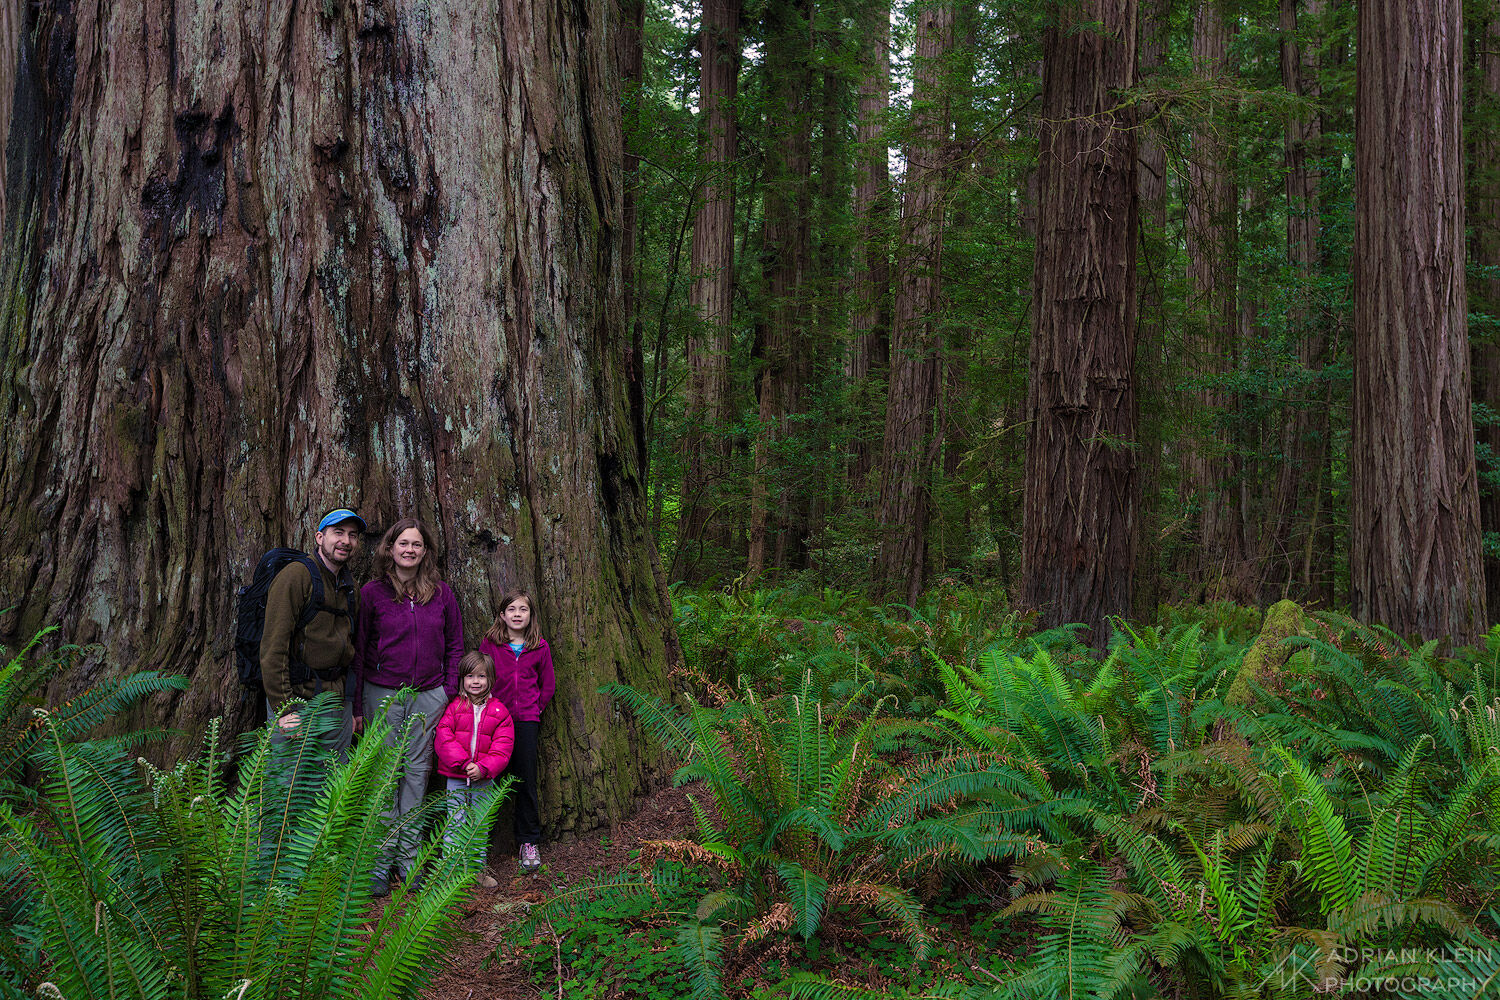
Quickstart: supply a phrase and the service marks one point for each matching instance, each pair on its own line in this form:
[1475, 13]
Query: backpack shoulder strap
[315, 599]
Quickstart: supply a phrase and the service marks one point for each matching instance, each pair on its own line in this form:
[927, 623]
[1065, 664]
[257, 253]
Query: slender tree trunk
[870, 323]
[1416, 561]
[1079, 532]
[1484, 223]
[1219, 565]
[12, 13]
[778, 502]
[1304, 434]
[265, 261]
[909, 450]
[1151, 357]
[631, 54]
[703, 521]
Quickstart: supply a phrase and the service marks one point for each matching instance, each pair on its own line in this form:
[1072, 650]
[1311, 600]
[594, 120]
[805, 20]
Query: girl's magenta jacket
[455, 734]
[524, 682]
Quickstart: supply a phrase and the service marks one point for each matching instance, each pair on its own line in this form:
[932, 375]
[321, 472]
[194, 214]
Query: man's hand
[289, 722]
[359, 724]
[473, 771]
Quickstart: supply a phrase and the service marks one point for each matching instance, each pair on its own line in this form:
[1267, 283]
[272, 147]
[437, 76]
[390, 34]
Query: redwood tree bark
[1151, 194]
[1078, 549]
[1295, 520]
[707, 404]
[909, 449]
[264, 260]
[1220, 555]
[1416, 562]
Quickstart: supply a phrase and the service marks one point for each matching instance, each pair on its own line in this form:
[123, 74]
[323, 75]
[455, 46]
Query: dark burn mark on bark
[199, 189]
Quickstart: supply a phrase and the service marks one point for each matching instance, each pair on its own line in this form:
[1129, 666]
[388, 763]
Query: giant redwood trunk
[1416, 562]
[261, 260]
[1078, 546]
[906, 460]
[705, 446]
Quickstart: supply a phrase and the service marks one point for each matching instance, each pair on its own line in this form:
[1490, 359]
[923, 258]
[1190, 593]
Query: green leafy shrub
[128, 881]
[808, 821]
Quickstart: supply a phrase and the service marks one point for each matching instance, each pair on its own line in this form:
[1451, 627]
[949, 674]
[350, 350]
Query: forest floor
[474, 971]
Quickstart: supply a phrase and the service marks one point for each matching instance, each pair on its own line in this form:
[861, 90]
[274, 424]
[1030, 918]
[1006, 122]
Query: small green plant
[134, 882]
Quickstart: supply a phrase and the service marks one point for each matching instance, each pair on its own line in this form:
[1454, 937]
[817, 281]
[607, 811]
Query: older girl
[523, 672]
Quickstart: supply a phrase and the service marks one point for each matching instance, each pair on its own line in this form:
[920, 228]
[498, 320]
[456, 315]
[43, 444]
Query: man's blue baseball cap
[339, 517]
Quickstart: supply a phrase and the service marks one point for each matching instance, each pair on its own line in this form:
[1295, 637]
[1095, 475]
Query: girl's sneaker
[530, 857]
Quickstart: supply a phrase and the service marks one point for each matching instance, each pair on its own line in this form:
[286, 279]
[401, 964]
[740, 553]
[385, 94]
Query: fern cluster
[122, 880]
[1161, 838]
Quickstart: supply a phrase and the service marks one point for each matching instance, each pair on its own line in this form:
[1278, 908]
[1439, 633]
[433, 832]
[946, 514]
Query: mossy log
[1268, 655]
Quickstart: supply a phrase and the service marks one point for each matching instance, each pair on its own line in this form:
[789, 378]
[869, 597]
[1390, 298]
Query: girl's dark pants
[528, 822]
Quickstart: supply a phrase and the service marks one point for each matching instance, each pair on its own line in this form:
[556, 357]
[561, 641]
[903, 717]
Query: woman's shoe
[531, 858]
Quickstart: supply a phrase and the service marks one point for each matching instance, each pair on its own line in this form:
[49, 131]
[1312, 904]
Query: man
[307, 663]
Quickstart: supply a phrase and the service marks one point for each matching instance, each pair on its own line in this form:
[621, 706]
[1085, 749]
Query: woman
[409, 635]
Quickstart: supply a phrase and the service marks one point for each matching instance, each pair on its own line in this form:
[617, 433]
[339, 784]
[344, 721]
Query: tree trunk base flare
[265, 261]
[1270, 652]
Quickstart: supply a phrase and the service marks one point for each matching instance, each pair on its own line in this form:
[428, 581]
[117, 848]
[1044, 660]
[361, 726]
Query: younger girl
[523, 666]
[474, 739]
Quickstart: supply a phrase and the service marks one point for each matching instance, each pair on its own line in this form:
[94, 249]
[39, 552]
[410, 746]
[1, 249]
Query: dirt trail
[663, 815]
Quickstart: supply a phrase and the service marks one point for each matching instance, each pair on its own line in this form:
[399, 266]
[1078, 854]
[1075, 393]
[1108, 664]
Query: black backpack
[250, 617]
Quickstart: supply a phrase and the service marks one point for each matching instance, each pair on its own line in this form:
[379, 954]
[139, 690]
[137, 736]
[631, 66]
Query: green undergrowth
[942, 801]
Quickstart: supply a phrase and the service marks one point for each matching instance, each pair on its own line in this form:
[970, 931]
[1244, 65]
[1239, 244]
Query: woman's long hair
[422, 586]
[500, 635]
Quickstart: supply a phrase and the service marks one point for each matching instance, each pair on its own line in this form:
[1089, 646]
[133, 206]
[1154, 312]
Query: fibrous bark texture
[907, 455]
[707, 404]
[262, 260]
[1078, 547]
[1416, 561]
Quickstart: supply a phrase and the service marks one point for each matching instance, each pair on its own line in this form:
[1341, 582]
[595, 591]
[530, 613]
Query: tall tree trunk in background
[705, 446]
[828, 289]
[1219, 555]
[1416, 559]
[630, 49]
[12, 13]
[373, 260]
[1296, 505]
[778, 501]
[1078, 554]
[1484, 223]
[870, 321]
[1151, 355]
[908, 452]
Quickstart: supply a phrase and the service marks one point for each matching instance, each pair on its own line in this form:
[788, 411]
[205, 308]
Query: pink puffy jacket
[455, 738]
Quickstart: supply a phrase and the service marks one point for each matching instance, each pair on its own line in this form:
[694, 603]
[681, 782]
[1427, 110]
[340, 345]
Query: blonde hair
[424, 584]
[475, 662]
[499, 634]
